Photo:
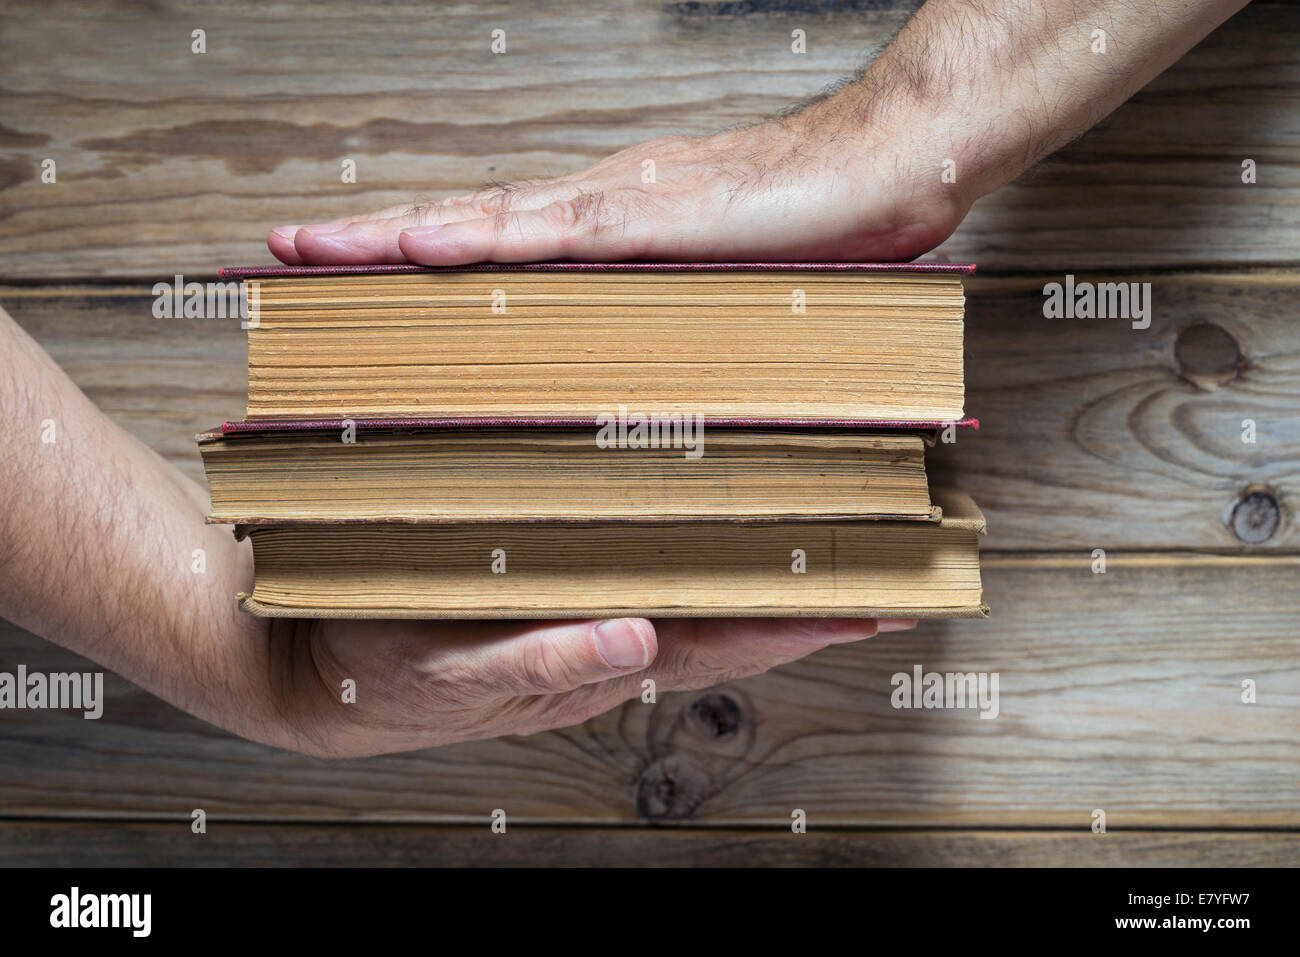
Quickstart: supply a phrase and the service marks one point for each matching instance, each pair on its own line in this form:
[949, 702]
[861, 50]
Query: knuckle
[495, 201]
[584, 212]
[544, 668]
[583, 217]
[564, 215]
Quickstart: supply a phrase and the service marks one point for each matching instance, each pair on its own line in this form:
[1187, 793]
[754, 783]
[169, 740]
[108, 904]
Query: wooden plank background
[89, 843]
[1119, 691]
[171, 161]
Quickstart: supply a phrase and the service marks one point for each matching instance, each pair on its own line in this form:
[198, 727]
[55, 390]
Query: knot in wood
[1207, 355]
[1256, 515]
[716, 716]
[672, 789]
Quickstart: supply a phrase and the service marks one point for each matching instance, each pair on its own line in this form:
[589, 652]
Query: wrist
[923, 141]
[908, 183]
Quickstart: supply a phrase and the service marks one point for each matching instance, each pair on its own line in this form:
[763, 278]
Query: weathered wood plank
[170, 161]
[1094, 434]
[162, 380]
[1119, 692]
[1098, 435]
[171, 844]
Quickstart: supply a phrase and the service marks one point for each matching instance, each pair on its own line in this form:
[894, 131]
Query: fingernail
[895, 624]
[620, 644]
[326, 228]
[417, 232]
[286, 232]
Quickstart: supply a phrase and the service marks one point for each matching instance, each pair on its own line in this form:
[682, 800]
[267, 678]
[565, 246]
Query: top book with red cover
[424, 353]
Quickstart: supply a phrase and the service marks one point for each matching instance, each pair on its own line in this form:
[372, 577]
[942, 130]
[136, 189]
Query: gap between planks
[990, 282]
[1171, 558]
[462, 822]
[80, 844]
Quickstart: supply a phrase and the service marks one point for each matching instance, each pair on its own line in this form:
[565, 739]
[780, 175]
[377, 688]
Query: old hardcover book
[602, 569]
[810, 343]
[501, 475]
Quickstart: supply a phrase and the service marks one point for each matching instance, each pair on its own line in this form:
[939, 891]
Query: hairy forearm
[994, 86]
[100, 545]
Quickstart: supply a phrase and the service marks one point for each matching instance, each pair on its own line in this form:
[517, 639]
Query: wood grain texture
[171, 844]
[1119, 691]
[1099, 435]
[1093, 434]
[169, 161]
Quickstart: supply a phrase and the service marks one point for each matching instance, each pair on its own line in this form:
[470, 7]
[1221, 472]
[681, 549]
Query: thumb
[560, 657]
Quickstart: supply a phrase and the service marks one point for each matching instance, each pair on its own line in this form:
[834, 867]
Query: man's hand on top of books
[965, 98]
[777, 190]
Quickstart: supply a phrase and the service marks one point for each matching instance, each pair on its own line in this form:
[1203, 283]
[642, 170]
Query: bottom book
[868, 569]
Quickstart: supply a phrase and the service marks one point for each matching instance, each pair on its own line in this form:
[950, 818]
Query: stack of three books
[565, 440]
